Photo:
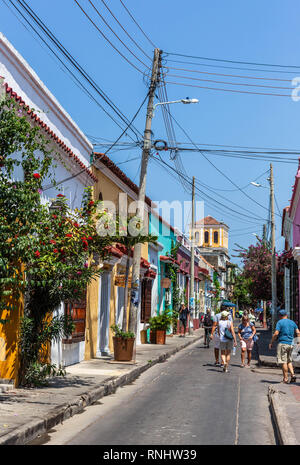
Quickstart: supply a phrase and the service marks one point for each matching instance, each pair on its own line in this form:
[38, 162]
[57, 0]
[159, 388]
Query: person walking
[183, 316]
[207, 325]
[284, 333]
[227, 337]
[246, 332]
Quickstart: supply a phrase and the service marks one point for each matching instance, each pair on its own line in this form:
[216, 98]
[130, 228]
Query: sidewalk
[27, 413]
[284, 398]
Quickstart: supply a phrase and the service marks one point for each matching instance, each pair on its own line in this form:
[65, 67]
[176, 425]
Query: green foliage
[241, 291]
[34, 336]
[45, 254]
[162, 321]
[37, 374]
[118, 332]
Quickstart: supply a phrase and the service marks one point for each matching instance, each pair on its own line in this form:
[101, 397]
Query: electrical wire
[227, 75]
[102, 155]
[227, 90]
[221, 172]
[214, 200]
[126, 32]
[229, 83]
[115, 34]
[72, 60]
[137, 24]
[107, 39]
[206, 65]
[232, 61]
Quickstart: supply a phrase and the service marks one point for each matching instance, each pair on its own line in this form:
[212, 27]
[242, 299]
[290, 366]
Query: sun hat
[224, 314]
[282, 312]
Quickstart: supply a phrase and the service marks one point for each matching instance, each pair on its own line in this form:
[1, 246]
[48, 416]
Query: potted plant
[123, 344]
[159, 325]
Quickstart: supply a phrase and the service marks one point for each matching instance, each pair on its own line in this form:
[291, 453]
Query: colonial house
[71, 150]
[105, 296]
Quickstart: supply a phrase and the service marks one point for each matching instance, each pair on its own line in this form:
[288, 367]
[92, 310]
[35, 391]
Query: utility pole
[264, 237]
[274, 287]
[192, 298]
[135, 286]
[264, 241]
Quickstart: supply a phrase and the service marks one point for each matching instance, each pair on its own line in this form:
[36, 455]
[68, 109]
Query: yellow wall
[110, 191]
[9, 360]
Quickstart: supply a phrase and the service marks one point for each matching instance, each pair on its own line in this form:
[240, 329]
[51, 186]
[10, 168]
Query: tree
[257, 261]
[241, 291]
[45, 253]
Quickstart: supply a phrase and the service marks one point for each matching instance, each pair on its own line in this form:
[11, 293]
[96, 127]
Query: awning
[227, 303]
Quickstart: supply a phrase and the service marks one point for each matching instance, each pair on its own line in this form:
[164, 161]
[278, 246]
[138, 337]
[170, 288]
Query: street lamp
[185, 101]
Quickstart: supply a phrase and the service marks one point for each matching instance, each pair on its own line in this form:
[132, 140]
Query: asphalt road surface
[184, 401]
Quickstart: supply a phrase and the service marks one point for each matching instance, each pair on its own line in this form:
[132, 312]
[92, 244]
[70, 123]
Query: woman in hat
[227, 338]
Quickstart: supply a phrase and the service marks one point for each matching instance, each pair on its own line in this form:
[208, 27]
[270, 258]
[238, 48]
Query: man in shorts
[284, 333]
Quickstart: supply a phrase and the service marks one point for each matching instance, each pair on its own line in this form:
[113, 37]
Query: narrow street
[183, 401]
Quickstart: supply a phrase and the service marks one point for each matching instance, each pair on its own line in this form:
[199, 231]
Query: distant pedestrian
[227, 337]
[207, 325]
[183, 317]
[216, 341]
[284, 333]
[261, 318]
[246, 332]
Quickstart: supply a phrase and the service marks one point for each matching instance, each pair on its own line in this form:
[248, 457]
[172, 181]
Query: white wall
[25, 82]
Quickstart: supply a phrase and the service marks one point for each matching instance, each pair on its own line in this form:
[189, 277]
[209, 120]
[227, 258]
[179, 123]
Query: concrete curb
[62, 412]
[285, 433]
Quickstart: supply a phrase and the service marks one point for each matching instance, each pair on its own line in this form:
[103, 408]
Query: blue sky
[254, 31]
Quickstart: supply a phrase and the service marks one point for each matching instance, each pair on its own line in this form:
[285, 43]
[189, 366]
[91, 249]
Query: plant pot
[152, 337]
[123, 349]
[160, 336]
[143, 336]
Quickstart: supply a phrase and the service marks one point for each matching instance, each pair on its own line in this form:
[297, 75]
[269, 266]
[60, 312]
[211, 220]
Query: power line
[137, 24]
[114, 143]
[126, 32]
[115, 34]
[106, 38]
[221, 172]
[205, 194]
[233, 61]
[227, 90]
[257, 70]
[228, 75]
[229, 83]
[72, 60]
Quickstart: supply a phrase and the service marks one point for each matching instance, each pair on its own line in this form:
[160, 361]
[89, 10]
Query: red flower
[68, 235]
[90, 238]
[76, 225]
[55, 251]
[36, 175]
[54, 216]
[52, 241]
[60, 195]
[91, 202]
[37, 254]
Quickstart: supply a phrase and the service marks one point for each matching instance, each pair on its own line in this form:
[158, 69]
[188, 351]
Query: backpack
[207, 321]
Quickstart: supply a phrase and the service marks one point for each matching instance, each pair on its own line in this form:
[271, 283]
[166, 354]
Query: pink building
[290, 260]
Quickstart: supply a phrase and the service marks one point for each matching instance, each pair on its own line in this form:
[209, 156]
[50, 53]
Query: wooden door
[146, 299]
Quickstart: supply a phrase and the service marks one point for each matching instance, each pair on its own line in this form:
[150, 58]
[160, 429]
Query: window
[206, 237]
[216, 237]
[197, 238]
